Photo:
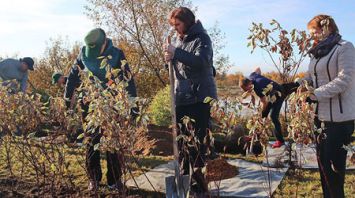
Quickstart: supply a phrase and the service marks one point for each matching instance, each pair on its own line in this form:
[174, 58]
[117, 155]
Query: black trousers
[200, 112]
[93, 166]
[274, 110]
[331, 156]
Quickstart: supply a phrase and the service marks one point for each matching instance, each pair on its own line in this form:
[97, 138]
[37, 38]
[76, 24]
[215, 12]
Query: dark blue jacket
[260, 82]
[194, 71]
[93, 66]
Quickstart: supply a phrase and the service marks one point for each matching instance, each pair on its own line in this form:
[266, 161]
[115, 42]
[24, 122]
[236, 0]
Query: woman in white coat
[332, 72]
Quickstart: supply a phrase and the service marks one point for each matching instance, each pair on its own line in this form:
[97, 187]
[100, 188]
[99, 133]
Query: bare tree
[286, 49]
[140, 28]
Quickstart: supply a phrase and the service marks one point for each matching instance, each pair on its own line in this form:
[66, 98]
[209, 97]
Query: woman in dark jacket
[332, 73]
[192, 58]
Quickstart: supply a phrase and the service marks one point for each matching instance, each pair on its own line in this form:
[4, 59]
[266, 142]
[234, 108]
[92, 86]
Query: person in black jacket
[96, 45]
[192, 59]
[259, 82]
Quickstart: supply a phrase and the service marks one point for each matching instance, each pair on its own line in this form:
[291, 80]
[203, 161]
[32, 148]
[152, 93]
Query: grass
[22, 181]
[306, 182]
[249, 158]
[229, 91]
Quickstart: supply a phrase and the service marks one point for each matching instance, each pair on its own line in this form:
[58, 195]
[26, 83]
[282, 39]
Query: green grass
[306, 183]
[249, 158]
[23, 177]
[303, 183]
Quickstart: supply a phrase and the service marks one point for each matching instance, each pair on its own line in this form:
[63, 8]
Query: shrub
[159, 108]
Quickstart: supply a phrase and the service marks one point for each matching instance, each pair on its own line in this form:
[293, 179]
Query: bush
[160, 108]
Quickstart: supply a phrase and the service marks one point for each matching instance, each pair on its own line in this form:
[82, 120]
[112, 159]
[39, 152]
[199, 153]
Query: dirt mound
[220, 169]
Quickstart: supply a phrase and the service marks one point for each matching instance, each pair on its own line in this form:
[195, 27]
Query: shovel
[176, 186]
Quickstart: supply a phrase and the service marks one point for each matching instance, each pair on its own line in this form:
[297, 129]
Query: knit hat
[93, 42]
[55, 77]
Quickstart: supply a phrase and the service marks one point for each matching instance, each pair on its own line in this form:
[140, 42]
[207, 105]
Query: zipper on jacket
[315, 72]
[331, 110]
[330, 79]
[316, 76]
[339, 97]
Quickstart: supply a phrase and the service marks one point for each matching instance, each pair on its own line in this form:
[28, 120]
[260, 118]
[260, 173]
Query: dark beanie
[94, 41]
[55, 77]
[29, 61]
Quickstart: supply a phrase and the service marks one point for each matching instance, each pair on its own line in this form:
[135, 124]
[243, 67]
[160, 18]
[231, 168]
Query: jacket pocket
[340, 104]
[186, 90]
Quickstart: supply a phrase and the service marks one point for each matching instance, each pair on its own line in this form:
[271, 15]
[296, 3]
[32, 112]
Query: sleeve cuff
[317, 94]
[177, 53]
[67, 99]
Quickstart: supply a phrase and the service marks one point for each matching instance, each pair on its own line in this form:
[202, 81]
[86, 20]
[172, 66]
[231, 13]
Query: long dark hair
[183, 14]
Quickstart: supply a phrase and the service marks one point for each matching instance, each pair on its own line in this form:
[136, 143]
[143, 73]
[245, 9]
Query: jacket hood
[109, 47]
[197, 28]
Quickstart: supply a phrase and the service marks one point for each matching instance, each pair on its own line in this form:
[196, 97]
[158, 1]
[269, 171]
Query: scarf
[325, 46]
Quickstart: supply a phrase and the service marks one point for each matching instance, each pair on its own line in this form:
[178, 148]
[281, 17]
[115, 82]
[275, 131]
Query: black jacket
[194, 71]
[82, 63]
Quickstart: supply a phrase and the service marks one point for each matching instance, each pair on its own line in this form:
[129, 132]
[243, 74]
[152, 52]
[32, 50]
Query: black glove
[166, 66]
[289, 88]
[134, 112]
[266, 111]
[67, 104]
[310, 101]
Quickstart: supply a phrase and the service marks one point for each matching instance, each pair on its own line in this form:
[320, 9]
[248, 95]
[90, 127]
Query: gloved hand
[289, 88]
[310, 101]
[299, 81]
[169, 52]
[67, 104]
[266, 110]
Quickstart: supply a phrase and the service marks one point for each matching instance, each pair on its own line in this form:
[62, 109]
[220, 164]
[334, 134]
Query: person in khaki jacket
[332, 73]
[13, 69]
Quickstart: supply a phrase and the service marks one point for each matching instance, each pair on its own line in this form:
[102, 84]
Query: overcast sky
[26, 25]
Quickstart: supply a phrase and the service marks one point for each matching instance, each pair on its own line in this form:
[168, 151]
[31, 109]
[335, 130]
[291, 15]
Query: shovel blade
[171, 189]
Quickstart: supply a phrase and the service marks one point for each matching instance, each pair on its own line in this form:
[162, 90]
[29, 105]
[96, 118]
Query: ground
[306, 181]
[296, 183]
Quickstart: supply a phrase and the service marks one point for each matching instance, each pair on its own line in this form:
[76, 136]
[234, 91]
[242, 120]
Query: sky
[27, 25]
